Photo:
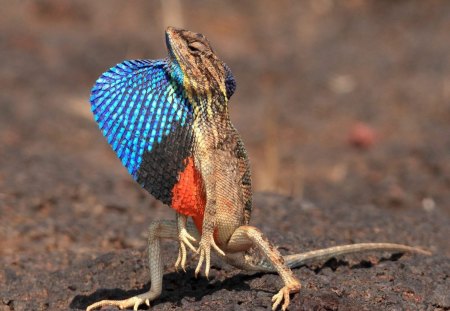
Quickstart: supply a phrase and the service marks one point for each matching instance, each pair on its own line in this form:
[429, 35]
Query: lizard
[169, 124]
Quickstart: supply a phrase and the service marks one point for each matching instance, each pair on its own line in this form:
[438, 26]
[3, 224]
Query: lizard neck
[212, 125]
[211, 110]
[208, 99]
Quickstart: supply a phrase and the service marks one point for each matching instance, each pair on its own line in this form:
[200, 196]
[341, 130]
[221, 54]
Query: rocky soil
[343, 106]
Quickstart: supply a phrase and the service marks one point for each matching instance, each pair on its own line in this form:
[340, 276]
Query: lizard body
[168, 122]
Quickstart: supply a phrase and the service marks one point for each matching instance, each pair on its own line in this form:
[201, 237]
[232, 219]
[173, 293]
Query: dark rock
[349, 283]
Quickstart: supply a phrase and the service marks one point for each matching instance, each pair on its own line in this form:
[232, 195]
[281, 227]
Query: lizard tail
[297, 260]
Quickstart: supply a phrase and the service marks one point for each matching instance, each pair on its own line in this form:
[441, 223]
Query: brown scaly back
[246, 180]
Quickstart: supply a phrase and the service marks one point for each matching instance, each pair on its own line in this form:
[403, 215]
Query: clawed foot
[185, 239]
[204, 250]
[284, 294]
[134, 302]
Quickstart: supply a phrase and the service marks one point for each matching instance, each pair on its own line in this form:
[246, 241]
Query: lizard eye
[196, 47]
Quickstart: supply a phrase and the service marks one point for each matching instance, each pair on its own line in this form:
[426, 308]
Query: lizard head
[201, 72]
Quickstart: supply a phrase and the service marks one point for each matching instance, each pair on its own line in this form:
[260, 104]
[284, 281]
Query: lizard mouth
[172, 34]
[174, 37]
[172, 29]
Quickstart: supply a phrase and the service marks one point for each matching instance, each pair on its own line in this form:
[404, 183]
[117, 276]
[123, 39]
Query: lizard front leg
[184, 239]
[207, 239]
[209, 217]
[157, 230]
[247, 236]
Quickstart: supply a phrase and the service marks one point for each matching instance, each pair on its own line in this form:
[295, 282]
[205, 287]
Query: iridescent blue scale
[136, 105]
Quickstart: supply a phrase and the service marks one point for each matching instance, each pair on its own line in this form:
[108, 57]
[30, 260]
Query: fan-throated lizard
[168, 122]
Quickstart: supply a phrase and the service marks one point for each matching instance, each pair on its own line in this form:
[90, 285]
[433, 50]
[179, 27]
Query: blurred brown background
[337, 101]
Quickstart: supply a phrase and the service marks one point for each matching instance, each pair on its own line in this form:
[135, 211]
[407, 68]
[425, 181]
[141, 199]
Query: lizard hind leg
[245, 237]
[157, 231]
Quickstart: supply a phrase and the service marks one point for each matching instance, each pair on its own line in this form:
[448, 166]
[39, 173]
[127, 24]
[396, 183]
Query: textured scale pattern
[188, 195]
[136, 105]
[146, 118]
[168, 122]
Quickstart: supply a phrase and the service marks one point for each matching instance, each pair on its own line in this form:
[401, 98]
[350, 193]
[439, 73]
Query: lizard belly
[229, 197]
[189, 198]
[188, 194]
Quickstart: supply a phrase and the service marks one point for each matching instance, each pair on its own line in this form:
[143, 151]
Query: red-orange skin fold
[188, 194]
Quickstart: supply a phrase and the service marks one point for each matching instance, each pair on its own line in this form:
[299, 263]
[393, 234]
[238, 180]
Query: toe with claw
[133, 302]
[184, 239]
[204, 250]
[284, 294]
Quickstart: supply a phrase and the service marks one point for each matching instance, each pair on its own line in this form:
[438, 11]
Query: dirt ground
[344, 107]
